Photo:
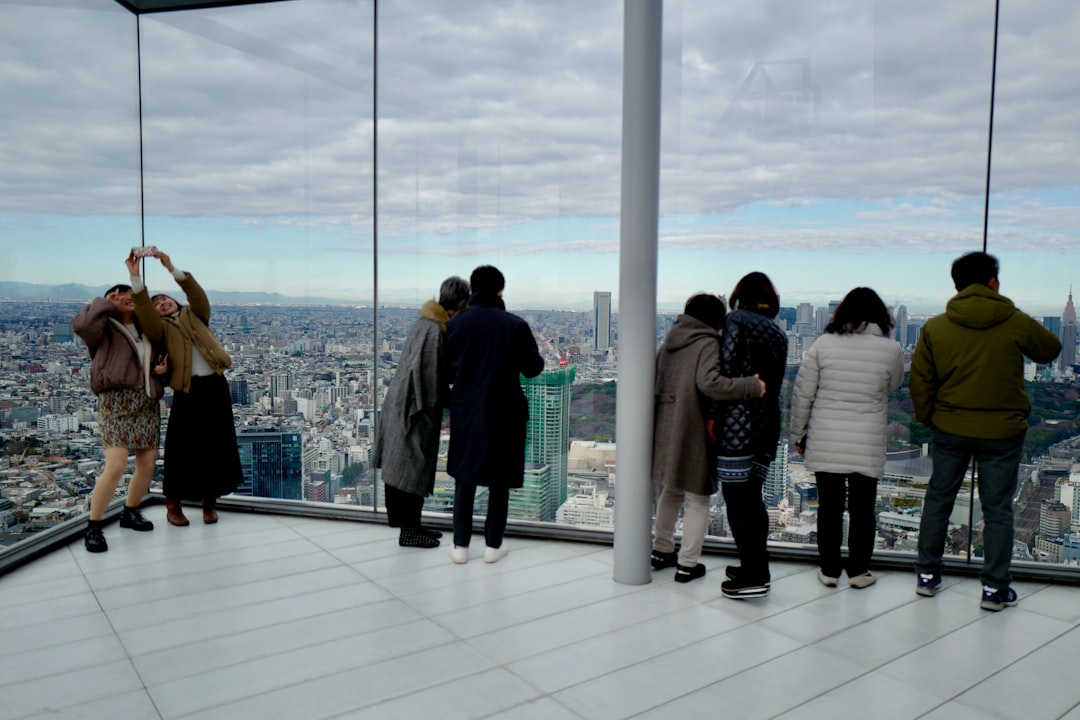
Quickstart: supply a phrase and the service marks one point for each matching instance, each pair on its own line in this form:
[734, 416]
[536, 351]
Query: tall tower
[547, 439]
[776, 480]
[901, 326]
[1068, 336]
[601, 320]
[272, 462]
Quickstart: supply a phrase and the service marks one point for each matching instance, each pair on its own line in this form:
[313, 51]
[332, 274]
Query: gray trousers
[998, 464]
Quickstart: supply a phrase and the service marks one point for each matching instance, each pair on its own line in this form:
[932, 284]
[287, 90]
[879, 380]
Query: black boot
[95, 538]
[415, 537]
[132, 518]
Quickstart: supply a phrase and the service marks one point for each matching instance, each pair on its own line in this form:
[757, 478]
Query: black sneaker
[744, 588]
[994, 599]
[685, 574]
[430, 532]
[732, 571]
[132, 518]
[661, 560]
[415, 537]
[928, 584]
[95, 540]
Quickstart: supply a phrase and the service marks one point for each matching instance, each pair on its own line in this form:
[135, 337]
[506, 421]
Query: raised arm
[196, 296]
[89, 323]
[149, 319]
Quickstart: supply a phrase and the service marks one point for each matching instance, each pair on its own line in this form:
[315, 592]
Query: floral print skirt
[128, 419]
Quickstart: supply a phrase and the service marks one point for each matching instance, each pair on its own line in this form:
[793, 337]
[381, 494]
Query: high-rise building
[776, 479]
[238, 389]
[1068, 336]
[547, 439]
[279, 384]
[901, 326]
[1052, 323]
[1055, 519]
[601, 320]
[804, 313]
[272, 462]
[533, 501]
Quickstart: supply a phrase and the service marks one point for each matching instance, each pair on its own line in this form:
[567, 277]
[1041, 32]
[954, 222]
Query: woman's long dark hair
[755, 292]
[862, 306]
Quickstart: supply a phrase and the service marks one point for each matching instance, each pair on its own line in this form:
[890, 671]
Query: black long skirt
[201, 457]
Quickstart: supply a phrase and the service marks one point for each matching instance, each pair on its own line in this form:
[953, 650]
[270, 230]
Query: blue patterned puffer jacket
[752, 344]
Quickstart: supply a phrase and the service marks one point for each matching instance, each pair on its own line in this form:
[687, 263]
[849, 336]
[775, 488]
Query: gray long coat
[687, 373]
[407, 438]
[841, 398]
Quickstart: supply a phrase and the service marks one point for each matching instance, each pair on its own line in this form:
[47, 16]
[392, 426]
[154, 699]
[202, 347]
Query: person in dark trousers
[687, 376]
[127, 373]
[753, 344]
[407, 441]
[202, 460]
[839, 412]
[967, 385]
[489, 349]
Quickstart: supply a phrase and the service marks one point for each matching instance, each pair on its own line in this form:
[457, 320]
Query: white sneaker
[459, 555]
[492, 555]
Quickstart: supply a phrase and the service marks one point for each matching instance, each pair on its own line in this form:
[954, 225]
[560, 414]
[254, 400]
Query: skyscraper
[601, 320]
[776, 480]
[272, 462]
[547, 439]
[901, 326]
[1068, 336]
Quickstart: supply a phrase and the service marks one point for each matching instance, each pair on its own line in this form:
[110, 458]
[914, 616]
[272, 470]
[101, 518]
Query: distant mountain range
[72, 292]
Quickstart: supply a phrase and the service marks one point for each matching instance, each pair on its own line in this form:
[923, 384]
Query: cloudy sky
[829, 143]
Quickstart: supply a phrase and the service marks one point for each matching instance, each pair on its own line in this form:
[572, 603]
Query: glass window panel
[499, 144]
[829, 145]
[1033, 231]
[69, 203]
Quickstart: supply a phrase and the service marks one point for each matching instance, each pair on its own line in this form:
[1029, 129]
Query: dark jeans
[403, 509]
[860, 494]
[494, 525]
[749, 523]
[998, 464]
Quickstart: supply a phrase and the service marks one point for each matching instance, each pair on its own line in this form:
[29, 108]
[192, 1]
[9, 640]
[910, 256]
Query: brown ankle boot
[209, 511]
[174, 513]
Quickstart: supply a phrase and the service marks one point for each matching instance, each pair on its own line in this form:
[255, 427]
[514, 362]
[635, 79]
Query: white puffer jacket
[840, 401]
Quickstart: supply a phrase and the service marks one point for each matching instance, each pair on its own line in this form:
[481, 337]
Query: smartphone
[141, 251]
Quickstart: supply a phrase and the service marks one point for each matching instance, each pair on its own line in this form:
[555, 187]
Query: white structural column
[639, 218]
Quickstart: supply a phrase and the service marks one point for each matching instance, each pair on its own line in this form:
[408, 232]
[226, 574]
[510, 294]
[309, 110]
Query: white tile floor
[281, 617]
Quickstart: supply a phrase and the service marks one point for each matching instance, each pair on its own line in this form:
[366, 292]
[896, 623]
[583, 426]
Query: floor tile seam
[40, 711]
[340, 673]
[277, 653]
[542, 696]
[441, 684]
[201, 571]
[487, 600]
[57, 647]
[157, 621]
[611, 630]
[477, 559]
[220, 588]
[883, 665]
[956, 696]
[37, 601]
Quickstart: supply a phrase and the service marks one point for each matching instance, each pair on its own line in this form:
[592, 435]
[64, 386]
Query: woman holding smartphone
[127, 374]
[202, 461]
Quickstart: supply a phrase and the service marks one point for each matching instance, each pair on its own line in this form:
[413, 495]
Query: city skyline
[816, 145]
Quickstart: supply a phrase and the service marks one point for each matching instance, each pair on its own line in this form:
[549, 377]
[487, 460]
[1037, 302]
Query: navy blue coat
[489, 349]
[752, 345]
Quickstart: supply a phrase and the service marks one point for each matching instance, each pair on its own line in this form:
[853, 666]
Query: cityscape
[305, 381]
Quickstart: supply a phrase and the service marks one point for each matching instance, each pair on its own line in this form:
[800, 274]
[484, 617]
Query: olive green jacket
[967, 374]
[183, 331]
